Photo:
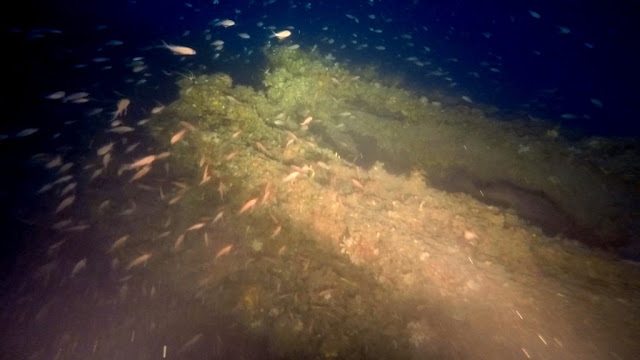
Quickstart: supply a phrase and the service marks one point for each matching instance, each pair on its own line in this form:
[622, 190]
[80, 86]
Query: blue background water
[536, 68]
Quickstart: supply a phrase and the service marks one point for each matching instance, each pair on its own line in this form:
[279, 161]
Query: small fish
[129, 211]
[306, 121]
[65, 168]
[65, 203]
[352, 18]
[121, 108]
[106, 159]
[139, 68]
[79, 266]
[190, 343]
[163, 155]
[218, 217]
[244, 36]
[281, 34]
[53, 248]
[276, 231]
[282, 250]
[56, 95]
[262, 148]
[104, 205]
[121, 129]
[188, 125]
[178, 136]
[231, 156]
[142, 172]
[157, 109]
[205, 176]
[27, 132]
[179, 242]
[45, 188]
[179, 50]
[222, 189]
[94, 112]
[63, 179]
[68, 188]
[357, 184]
[118, 243]
[266, 193]
[139, 260]
[80, 227]
[249, 205]
[225, 23]
[142, 162]
[96, 173]
[195, 226]
[224, 251]
[534, 14]
[61, 224]
[105, 149]
[75, 96]
[290, 177]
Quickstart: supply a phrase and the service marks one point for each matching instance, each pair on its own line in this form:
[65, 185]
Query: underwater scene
[371, 179]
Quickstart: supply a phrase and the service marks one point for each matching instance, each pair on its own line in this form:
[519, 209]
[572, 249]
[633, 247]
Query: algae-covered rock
[323, 184]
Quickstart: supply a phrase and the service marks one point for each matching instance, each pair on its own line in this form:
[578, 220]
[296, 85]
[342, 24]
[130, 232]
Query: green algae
[309, 301]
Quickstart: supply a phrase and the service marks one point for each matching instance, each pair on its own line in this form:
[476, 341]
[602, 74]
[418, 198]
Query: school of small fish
[120, 115]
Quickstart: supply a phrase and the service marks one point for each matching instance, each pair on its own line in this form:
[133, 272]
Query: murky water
[260, 238]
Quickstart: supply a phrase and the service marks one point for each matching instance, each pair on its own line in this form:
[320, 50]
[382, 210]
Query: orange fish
[224, 251]
[357, 184]
[306, 121]
[218, 217]
[139, 260]
[142, 172]
[178, 136]
[291, 176]
[142, 162]
[249, 205]
[196, 226]
[188, 125]
[276, 231]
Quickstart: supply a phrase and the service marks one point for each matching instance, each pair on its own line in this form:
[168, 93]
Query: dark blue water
[575, 64]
